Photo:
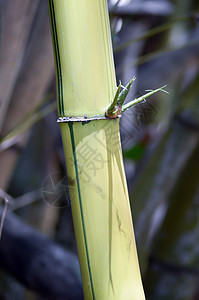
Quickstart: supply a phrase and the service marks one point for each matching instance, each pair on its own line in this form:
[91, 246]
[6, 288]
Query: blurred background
[158, 42]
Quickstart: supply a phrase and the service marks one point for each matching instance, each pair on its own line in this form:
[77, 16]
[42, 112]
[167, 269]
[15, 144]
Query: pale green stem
[124, 92]
[113, 104]
[142, 98]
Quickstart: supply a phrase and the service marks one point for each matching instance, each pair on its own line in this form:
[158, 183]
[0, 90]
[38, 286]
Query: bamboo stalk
[86, 86]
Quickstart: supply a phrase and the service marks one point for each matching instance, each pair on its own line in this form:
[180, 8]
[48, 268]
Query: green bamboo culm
[86, 86]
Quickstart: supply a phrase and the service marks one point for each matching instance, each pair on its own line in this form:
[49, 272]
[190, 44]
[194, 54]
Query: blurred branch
[172, 267]
[149, 8]
[21, 201]
[161, 173]
[153, 32]
[17, 19]
[25, 199]
[36, 72]
[38, 263]
[175, 251]
[148, 57]
[156, 54]
[32, 81]
[5, 195]
[28, 121]
[3, 216]
[158, 181]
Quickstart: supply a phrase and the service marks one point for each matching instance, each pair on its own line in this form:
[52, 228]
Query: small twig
[111, 107]
[116, 4]
[3, 216]
[114, 108]
[124, 93]
[4, 195]
[117, 108]
[21, 201]
[25, 199]
[142, 98]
